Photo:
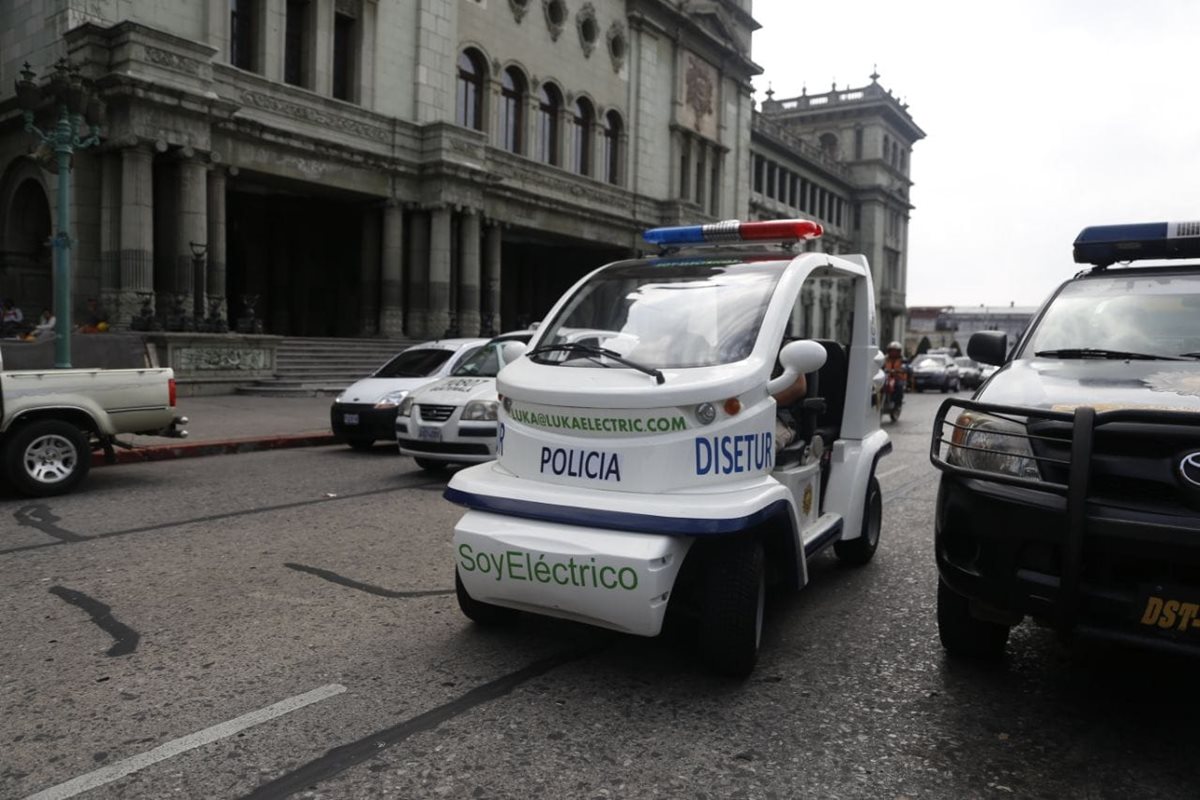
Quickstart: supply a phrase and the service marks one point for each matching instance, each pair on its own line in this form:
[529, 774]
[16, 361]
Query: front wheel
[860, 550]
[47, 457]
[733, 600]
[963, 635]
[481, 613]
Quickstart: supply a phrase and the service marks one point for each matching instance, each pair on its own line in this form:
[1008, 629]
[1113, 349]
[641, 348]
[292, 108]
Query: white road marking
[893, 471]
[128, 766]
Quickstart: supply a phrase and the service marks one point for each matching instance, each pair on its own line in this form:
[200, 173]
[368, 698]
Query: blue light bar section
[1103, 245]
[684, 234]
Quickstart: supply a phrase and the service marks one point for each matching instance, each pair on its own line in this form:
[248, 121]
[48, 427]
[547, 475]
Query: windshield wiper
[593, 350]
[1095, 352]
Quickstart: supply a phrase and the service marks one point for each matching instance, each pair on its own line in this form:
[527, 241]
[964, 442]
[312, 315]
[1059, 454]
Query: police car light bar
[733, 232]
[1103, 245]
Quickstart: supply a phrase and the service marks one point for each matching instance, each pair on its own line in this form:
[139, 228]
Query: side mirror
[988, 347]
[511, 351]
[798, 358]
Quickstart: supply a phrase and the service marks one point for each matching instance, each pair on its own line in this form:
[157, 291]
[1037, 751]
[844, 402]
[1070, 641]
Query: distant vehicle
[935, 371]
[453, 420]
[366, 411]
[52, 420]
[1070, 488]
[970, 375]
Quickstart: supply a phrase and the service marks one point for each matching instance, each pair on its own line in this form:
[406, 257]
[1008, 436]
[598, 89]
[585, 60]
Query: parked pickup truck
[52, 420]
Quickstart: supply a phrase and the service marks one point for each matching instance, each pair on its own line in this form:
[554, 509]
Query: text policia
[518, 565]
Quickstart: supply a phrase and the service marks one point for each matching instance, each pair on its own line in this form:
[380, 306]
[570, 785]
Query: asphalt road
[283, 623]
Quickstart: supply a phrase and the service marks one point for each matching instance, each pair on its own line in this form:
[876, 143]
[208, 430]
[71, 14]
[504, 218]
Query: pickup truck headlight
[1002, 446]
[392, 399]
[480, 410]
[405, 407]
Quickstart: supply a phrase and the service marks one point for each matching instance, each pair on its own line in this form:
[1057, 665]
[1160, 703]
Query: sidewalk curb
[218, 447]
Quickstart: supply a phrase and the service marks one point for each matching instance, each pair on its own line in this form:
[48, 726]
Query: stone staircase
[313, 367]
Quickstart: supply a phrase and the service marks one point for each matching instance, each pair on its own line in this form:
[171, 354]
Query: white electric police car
[1070, 490]
[639, 474]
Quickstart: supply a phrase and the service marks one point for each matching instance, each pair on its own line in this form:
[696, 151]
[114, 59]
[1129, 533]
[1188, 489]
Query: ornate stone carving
[556, 16]
[519, 8]
[618, 45]
[699, 88]
[165, 58]
[316, 116]
[197, 358]
[588, 27]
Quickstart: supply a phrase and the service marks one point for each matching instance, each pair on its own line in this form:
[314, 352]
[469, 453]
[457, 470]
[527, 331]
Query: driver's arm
[792, 394]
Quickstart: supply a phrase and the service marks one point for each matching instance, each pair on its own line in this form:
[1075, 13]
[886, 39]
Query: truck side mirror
[798, 358]
[988, 347]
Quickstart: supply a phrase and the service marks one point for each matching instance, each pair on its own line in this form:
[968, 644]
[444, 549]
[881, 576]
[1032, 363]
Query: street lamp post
[72, 98]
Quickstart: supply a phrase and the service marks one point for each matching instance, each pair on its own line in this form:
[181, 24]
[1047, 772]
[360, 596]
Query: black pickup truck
[1070, 488]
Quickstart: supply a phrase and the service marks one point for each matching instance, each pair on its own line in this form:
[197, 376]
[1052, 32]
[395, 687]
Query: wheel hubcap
[50, 459]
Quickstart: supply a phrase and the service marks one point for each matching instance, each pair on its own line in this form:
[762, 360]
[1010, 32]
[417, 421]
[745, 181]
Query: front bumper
[1065, 549]
[929, 380]
[362, 421]
[452, 441]
[610, 579]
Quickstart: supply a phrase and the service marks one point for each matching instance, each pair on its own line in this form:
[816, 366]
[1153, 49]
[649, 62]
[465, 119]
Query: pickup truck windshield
[1156, 316]
[667, 314]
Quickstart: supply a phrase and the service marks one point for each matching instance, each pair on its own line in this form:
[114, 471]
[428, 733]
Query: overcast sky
[1042, 116]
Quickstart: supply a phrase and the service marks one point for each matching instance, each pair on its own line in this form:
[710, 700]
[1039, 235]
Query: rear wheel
[963, 635]
[47, 457]
[429, 465]
[361, 444]
[481, 613]
[732, 602]
[862, 549]
[894, 412]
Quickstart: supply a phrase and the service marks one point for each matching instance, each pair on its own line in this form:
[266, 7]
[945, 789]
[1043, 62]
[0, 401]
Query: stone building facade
[842, 157]
[368, 167]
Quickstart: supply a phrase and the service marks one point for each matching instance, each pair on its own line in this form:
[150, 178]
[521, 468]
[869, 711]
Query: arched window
[613, 127]
[829, 143]
[512, 110]
[549, 111]
[581, 146]
[469, 109]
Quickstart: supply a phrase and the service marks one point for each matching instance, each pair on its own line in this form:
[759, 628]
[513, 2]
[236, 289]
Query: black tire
[47, 457]
[862, 549]
[964, 636]
[481, 613]
[894, 413]
[732, 601]
[430, 465]
[361, 444]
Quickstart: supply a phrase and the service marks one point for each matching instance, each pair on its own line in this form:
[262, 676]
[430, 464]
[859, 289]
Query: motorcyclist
[893, 366]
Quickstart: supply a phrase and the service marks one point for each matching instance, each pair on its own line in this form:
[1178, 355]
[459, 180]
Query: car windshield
[669, 313]
[1157, 316]
[414, 364]
[486, 362]
[929, 362]
[966, 363]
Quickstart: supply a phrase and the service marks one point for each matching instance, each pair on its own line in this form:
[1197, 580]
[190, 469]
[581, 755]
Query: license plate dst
[1170, 610]
[428, 434]
[349, 419]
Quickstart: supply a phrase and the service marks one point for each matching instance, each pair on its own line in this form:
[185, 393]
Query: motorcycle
[892, 399]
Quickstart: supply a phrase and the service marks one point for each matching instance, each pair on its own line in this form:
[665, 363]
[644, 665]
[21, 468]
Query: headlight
[405, 408]
[480, 410]
[391, 399]
[1001, 446]
[338, 399]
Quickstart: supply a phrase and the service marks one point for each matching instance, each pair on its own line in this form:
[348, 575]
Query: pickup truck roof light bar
[735, 232]
[1102, 245]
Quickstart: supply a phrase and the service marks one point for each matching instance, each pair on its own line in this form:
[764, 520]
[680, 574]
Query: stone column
[323, 54]
[272, 36]
[418, 277]
[468, 273]
[135, 256]
[491, 280]
[215, 269]
[439, 272]
[391, 315]
[110, 237]
[192, 229]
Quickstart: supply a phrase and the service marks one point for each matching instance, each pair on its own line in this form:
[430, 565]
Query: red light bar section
[780, 230]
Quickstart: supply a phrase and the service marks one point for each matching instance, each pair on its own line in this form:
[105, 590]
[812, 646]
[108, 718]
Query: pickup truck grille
[435, 413]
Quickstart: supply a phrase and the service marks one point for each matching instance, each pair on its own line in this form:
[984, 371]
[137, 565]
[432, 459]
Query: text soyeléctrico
[570, 422]
[518, 565]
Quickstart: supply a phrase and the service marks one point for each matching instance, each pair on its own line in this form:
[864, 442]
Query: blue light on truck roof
[1102, 245]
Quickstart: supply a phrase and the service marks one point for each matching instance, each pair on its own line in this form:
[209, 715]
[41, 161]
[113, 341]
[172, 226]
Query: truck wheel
[861, 550]
[733, 598]
[430, 465]
[963, 635]
[47, 457]
[361, 444]
[481, 613]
